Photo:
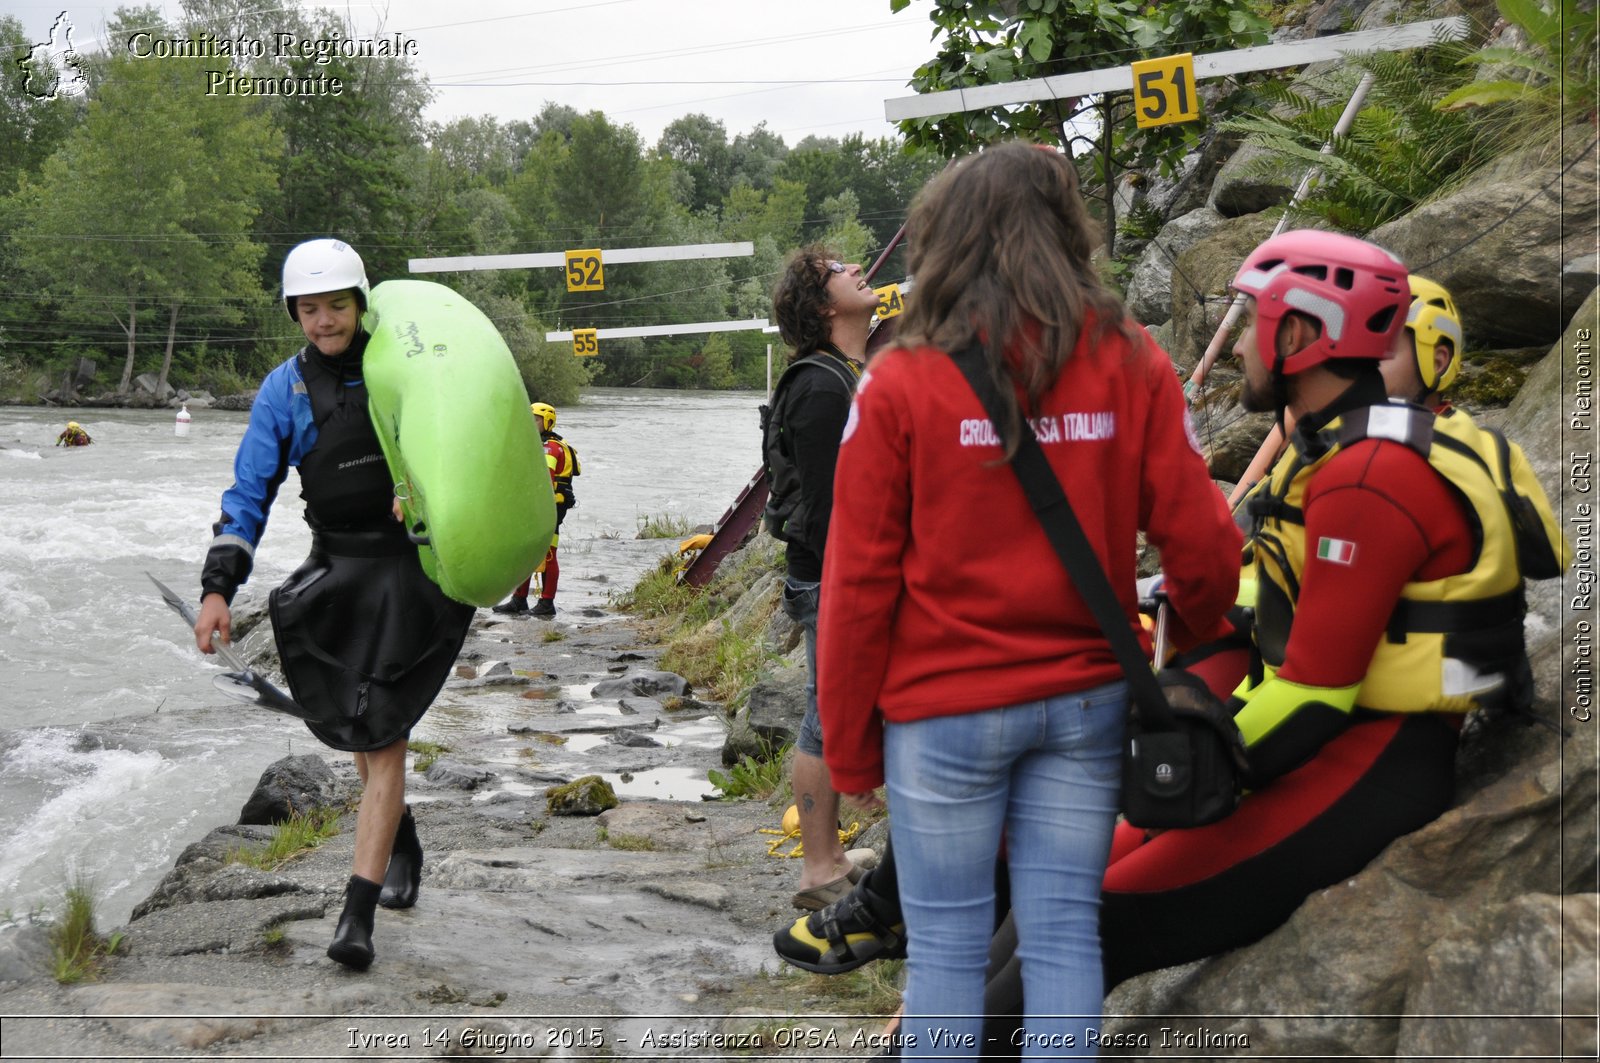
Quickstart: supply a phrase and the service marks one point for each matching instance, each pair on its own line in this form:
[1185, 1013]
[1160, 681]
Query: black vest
[344, 478]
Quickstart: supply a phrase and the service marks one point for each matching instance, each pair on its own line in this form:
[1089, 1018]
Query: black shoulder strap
[1050, 505]
[824, 360]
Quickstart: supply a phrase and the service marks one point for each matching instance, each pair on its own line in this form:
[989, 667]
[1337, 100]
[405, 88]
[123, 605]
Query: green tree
[149, 202]
[698, 145]
[780, 213]
[755, 156]
[348, 158]
[714, 363]
[550, 372]
[845, 233]
[30, 128]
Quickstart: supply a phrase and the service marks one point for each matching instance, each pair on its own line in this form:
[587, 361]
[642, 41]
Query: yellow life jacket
[1453, 643]
[562, 484]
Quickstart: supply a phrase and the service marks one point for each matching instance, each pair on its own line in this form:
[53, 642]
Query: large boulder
[1150, 288]
[776, 706]
[1514, 244]
[151, 385]
[293, 784]
[1533, 957]
[1553, 419]
[1200, 280]
[1253, 179]
[1339, 978]
[1189, 186]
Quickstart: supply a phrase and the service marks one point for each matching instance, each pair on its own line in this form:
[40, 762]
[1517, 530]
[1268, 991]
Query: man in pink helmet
[1389, 604]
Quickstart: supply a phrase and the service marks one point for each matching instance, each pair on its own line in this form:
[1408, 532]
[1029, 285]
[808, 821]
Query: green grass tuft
[753, 777]
[300, 833]
[427, 753]
[663, 527]
[635, 843]
[78, 952]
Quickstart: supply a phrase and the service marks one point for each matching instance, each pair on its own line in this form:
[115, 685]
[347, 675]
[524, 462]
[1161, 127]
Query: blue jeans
[800, 604]
[1044, 775]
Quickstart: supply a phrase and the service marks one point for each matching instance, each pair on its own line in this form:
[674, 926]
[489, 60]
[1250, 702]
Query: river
[84, 638]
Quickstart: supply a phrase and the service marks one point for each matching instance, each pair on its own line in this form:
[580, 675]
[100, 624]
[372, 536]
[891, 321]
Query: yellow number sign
[889, 301]
[585, 272]
[1163, 91]
[585, 342]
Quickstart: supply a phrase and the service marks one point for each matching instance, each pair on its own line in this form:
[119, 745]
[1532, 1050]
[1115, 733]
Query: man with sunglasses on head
[824, 312]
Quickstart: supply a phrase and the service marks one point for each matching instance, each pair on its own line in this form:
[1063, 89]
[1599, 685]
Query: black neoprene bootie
[404, 876]
[352, 941]
[513, 606]
[545, 607]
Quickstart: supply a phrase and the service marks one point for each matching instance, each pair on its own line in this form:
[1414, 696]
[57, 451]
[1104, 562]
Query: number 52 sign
[1163, 91]
[585, 273]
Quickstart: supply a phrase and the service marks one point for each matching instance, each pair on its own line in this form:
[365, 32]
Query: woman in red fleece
[973, 679]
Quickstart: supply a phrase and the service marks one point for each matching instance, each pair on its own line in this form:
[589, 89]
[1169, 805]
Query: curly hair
[799, 299]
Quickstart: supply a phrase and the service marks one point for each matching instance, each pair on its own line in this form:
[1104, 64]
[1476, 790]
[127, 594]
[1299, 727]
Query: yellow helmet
[74, 426]
[546, 414]
[1433, 317]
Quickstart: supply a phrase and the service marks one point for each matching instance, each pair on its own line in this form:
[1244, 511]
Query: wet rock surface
[536, 936]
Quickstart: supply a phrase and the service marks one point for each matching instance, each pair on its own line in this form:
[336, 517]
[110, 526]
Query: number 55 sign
[1163, 91]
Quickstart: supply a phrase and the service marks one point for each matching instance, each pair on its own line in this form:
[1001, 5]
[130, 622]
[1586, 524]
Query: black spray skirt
[366, 638]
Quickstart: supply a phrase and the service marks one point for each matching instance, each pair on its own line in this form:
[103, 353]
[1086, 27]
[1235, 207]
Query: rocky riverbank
[641, 931]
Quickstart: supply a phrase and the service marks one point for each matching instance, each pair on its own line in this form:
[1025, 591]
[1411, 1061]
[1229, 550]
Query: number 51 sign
[1163, 91]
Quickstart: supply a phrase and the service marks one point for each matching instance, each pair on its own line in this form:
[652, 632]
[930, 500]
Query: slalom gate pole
[1214, 348]
[1265, 456]
[894, 242]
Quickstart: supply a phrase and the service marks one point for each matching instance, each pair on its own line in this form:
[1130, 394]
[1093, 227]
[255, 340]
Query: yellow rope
[775, 846]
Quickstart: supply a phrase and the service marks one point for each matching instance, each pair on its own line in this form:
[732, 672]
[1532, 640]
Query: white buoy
[181, 428]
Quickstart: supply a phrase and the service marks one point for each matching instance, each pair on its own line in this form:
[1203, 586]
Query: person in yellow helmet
[563, 462]
[1426, 355]
[73, 436]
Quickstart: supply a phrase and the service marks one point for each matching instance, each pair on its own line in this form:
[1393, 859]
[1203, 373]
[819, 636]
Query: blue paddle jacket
[281, 433]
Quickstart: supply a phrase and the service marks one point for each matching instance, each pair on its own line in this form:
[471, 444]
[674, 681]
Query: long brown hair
[1000, 239]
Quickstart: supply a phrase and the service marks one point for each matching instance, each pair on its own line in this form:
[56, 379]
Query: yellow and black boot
[352, 941]
[404, 876]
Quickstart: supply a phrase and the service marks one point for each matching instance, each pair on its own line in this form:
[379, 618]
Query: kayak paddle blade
[241, 684]
[179, 606]
[252, 689]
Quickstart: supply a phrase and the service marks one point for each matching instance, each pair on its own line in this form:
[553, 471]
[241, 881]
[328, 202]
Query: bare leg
[823, 858]
[383, 799]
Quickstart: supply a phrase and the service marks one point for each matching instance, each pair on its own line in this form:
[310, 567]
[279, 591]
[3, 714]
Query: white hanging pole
[1312, 174]
[1208, 65]
[769, 370]
[664, 330]
[666, 253]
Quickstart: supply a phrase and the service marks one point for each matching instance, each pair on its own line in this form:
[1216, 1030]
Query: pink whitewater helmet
[1357, 290]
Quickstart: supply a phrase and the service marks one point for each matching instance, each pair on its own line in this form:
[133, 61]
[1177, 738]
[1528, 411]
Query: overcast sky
[643, 62]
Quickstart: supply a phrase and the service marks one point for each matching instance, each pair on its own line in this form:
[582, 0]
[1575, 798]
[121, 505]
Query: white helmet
[319, 266]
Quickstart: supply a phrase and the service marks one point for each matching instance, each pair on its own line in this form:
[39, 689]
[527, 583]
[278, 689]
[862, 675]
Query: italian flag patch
[1339, 551]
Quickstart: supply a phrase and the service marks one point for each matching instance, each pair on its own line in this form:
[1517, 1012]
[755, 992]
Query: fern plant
[1553, 74]
[1401, 150]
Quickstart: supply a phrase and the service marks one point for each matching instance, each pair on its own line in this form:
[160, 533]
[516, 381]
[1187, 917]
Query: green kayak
[452, 415]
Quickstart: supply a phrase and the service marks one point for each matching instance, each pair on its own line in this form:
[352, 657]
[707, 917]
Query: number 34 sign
[1163, 91]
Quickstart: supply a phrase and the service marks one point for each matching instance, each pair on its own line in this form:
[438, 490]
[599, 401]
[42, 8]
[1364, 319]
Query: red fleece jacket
[940, 592]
